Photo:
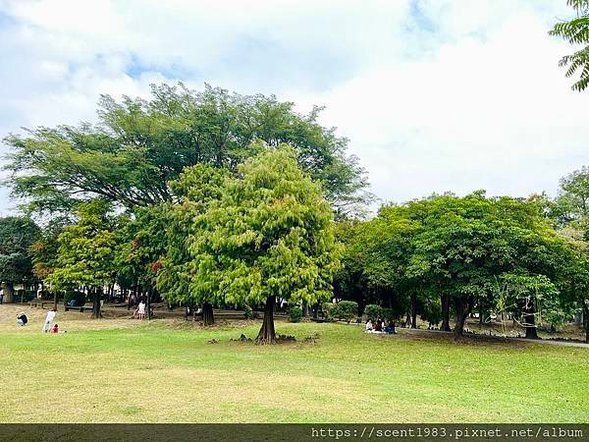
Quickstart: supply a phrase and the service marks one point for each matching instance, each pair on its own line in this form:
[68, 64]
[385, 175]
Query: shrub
[295, 313]
[248, 312]
[388, 315]
[346, 310]
[373, 312]
[432, 311]
[327, 310]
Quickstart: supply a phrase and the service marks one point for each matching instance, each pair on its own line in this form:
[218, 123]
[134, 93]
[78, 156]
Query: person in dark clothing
[390, 328]
[22, 319]
[377, 326]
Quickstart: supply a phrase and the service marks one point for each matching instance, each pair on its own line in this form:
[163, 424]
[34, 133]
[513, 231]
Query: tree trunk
[208, 317]
[148, 303]
[96, 313]
[462, 310]
[446, 312]
[316, 310]
[8, 292]
[531, 330]
[55, 301]
[414, 311]
[267, 334]
[586, 314]
[530, 320]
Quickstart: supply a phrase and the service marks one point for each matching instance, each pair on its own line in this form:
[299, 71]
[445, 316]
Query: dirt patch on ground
[70, 320]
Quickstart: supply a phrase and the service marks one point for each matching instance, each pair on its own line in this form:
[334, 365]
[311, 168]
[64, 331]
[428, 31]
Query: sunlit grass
[167, 371]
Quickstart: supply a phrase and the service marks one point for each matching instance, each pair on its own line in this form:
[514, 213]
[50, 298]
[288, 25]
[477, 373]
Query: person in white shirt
[49, 320]
[141, 310]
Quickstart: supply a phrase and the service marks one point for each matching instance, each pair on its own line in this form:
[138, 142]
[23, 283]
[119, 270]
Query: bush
[374, 312]
[295, 313]
[78, 297]
[250, 313]
[327, 310]
[388, 315]
[346, 310]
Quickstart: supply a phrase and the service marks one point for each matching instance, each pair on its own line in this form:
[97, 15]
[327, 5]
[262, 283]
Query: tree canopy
[86, 255]
[269, 235]
[467, 251]
[576, 32]
[139, 145]
[17, 234]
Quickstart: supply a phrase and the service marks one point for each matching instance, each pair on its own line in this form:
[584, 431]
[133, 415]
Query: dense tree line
[143, 194]
[446, 254]
[216, 199]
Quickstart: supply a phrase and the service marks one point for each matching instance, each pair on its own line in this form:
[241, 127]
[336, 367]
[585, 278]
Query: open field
[122, 370]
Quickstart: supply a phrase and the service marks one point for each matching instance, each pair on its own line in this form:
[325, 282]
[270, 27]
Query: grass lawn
[167, 371]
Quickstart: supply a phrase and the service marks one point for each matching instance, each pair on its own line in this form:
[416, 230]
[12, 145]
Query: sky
[434, 95]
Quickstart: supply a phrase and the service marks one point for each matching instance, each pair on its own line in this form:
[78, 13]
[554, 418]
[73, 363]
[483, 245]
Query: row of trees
[266, 231]
[216, 198]
[205, 197]
[524, 257]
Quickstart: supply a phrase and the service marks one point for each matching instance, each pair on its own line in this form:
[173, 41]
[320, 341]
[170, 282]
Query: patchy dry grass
[123, 370]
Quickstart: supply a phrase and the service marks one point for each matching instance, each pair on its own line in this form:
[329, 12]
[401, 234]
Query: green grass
[166, 371]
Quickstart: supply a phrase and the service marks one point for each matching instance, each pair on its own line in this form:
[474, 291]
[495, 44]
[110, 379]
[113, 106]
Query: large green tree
[198, 187]
[139, 145]
[269, 236]
[86, 255]
[45, 250]
[17, 234]
[576, 32]
[572, 213]
[470, 243]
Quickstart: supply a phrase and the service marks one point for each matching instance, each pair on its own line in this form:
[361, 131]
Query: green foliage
[248, 312]
[576, 32]
[45, 250]
[86, 254]
[373, 312]
[196, 189]
[17, 235]
[327, 309]
[270, 234]
[411, 255]
[78, 297]
[143, 244]
[431, 310]
[345, 310]
[139, 145]
[295, 313]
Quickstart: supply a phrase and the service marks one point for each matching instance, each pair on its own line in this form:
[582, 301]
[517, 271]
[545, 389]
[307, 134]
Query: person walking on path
[49, 320]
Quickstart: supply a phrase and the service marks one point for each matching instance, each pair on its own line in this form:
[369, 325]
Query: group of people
[379, 326]
[22, 320]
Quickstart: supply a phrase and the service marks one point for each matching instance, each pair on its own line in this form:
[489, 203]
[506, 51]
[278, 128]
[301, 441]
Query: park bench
[74, 306]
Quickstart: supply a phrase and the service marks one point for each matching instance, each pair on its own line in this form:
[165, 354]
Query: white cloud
[434, 95]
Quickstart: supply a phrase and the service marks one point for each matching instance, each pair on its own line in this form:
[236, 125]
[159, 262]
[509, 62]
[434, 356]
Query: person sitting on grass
[390, 328]
[368, 326]
[55, 329]
[22, 319]
[378, 326]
